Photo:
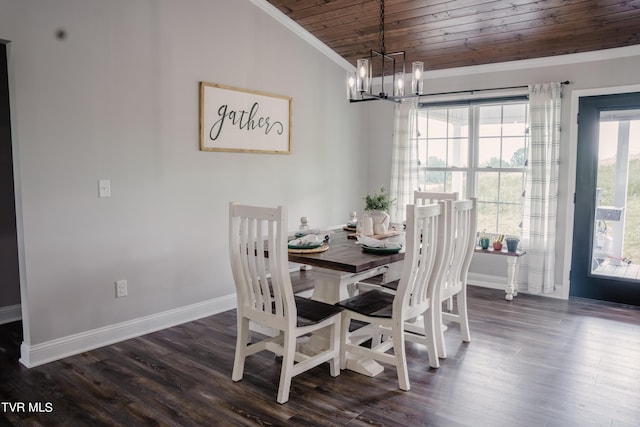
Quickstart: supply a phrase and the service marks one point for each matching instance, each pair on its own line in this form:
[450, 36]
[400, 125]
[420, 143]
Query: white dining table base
[331, 286]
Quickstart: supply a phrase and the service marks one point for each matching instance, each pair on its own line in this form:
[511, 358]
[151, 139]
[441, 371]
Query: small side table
[511, 289]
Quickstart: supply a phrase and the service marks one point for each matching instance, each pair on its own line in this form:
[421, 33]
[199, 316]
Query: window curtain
[541, 188]
[404, 159]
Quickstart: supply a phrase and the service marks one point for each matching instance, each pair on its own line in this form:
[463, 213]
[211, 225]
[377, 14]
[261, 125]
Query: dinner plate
[380, 251]
[313, 246]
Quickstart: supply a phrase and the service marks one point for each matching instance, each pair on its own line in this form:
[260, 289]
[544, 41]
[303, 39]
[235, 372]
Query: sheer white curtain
[541, 188]
[404, 159]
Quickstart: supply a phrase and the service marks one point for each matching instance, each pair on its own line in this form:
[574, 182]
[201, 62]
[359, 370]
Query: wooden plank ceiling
[456, 33]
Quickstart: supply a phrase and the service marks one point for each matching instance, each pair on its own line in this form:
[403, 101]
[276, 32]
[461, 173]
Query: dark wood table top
[345, 255]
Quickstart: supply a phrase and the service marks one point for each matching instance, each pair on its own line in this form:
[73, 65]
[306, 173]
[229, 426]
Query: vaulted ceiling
[455, 33]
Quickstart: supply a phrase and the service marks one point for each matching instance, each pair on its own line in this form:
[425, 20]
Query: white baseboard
[39, 354]
[487, 281]
[10, 313]
[500, 282]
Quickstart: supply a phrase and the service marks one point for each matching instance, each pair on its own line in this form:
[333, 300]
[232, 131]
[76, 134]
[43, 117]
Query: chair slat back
[464, 223]
[425, 242]
[421, 198]
[254, 233]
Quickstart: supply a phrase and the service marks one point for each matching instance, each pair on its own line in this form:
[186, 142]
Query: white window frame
[472, 168]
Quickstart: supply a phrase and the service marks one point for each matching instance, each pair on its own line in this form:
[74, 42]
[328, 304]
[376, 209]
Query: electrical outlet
[121, 288]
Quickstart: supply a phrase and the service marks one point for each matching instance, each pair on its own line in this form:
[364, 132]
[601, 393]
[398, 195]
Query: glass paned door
[616, 243]
[606, 238]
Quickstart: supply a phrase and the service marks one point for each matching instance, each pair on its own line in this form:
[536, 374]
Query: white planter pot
[380, 221]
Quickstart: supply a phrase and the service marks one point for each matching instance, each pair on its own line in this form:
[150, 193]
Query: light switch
[104, 188]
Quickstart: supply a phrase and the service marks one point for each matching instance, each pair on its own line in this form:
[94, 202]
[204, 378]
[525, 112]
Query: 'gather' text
[245, 120]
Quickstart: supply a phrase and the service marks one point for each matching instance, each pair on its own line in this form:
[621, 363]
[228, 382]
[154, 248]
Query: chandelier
[392, 74]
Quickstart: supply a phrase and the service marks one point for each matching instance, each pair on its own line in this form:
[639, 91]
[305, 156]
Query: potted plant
[484, 240]
[512, 244]
[497, 242]
[379, 201]
[377, 205]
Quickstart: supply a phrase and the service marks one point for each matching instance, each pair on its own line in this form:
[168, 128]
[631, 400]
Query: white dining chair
[387, 313]
[463, 228]
[457, 253]
[428, 197]
[420, 198]
[259, 262]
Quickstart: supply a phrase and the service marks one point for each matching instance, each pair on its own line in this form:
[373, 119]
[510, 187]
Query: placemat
[322, 248]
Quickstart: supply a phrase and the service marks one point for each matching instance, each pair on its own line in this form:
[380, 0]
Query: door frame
[572, 170]
[17, 185]
[569, 206]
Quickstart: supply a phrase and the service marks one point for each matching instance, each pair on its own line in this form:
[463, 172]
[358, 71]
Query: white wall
[610, 70]
[118, 99]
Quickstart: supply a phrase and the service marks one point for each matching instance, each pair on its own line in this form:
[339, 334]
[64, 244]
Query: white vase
[380, 221]
[365, 225]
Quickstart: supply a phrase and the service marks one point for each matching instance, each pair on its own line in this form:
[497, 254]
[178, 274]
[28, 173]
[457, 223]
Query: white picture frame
[243, 120]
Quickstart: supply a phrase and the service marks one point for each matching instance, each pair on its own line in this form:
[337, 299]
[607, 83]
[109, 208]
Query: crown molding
[297, 29]
[548, 61]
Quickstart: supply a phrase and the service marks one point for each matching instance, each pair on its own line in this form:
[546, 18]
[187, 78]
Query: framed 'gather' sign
[233, 119]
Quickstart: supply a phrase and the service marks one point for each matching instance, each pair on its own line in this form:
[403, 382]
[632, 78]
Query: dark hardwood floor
[534, 361]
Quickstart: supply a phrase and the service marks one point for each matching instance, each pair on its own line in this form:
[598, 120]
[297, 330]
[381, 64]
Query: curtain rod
[484, 90]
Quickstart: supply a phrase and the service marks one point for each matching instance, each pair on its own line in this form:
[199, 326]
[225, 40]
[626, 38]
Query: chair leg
[438, 330]
[430, 337]
[334, 364]
[345, 322]
[241, 347]
[461, 299]
[401, 357]
[286, 373]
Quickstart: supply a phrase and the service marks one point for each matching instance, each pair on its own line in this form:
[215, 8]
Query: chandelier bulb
[416, 77]
[363, 77]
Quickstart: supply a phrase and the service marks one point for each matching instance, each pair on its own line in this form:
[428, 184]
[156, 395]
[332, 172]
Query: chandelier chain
[382, 47]
[393, 89]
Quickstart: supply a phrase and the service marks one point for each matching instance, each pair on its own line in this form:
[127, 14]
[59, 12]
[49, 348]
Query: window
[478, 149]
